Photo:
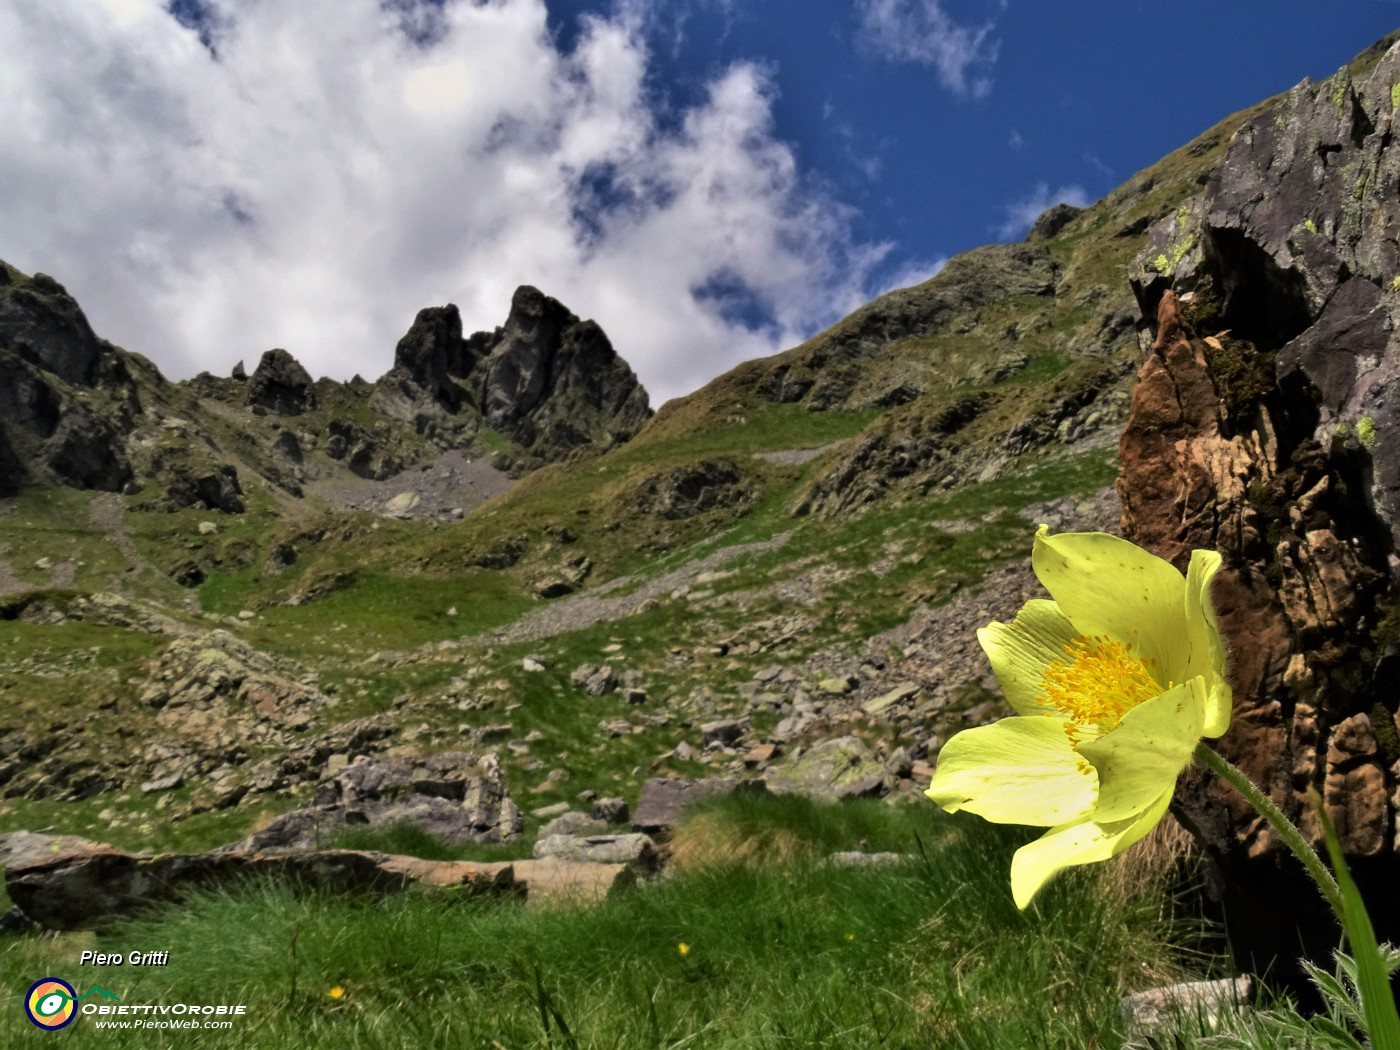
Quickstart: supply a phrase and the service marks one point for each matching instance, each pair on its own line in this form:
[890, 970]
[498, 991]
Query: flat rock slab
[635, 850]
[551, 881]
[23, 848]
[92, 885]
[664, 799]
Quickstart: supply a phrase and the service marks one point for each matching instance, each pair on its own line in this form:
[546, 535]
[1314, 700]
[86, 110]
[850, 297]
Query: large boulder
[280, 384]
[86, 450]
[1262, 427]
[843, 767]
[636, 850]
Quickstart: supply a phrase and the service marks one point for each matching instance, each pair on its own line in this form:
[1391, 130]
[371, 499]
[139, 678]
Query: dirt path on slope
[577, 611]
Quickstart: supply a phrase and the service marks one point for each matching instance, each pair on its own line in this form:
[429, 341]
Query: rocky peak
[517, 373]
[553, 381]
[43, 324]
[546, 380]
[1052, 220]
[432, 355]
[280, 384]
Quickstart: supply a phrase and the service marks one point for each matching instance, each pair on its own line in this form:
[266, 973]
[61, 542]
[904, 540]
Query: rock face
[42, 324]
[87, 449]
[1263, 427]
[66, 397]
[551, 381]
[432, 356]
[546, 380]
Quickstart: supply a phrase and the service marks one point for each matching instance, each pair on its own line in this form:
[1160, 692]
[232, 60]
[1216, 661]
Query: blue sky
[940, 149]
[711, 180]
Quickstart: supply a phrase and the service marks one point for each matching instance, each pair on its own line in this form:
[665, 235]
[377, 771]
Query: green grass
[930, 952]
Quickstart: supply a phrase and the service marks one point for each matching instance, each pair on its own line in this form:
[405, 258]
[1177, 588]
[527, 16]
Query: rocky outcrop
[42, 324]
[216, 489]
[454, 796]
[431, 361]
[63, 883]
[87, 449]
[66, 397]
[684, 492]
[545, 380]
[280, 384]
[1262, 427]
[551, 382]
[1051, 221]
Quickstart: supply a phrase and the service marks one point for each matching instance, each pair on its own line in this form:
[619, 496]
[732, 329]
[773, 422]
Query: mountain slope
[796, 549]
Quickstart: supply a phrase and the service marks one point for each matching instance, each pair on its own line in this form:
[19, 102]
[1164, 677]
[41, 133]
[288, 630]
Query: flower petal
[1108, 586]
[1205, 648]
[1143, 755]
[1085, 842]
[1020, 651]
[1016, 771]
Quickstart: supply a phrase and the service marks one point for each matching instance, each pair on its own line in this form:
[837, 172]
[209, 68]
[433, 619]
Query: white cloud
[1022, 213]
[331, 166]
[921, 31]
[911, 273]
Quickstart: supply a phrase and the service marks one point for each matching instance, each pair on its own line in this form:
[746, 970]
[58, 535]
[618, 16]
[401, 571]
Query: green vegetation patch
[927, 952]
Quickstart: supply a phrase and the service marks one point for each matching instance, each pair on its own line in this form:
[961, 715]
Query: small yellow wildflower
[850, 936]
[338, 992]
[1114, 683]
[683, 948]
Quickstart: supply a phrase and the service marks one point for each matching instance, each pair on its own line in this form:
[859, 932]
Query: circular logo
[51, 1003]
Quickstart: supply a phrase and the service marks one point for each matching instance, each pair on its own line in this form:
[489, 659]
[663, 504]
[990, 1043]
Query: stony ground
[447, 488]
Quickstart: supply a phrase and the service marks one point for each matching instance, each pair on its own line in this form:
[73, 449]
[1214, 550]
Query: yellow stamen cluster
[1099, 683]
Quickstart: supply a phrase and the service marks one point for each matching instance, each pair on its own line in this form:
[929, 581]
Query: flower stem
[1287, 830]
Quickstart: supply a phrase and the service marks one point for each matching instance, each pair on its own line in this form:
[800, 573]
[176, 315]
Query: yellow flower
[1114, 682]
[683, 948]
[850, 936]
[337, 992]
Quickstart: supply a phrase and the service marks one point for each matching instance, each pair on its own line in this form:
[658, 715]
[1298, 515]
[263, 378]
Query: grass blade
[1372, 973]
